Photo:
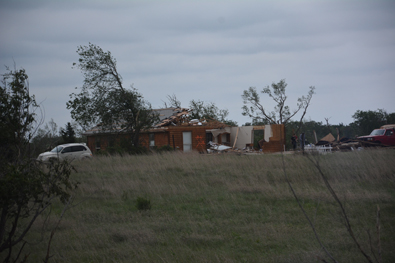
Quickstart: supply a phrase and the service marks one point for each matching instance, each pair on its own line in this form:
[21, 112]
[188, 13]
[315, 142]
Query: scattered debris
[215, 147]
[326, 140]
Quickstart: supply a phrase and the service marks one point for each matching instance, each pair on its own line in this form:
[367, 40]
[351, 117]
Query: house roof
[167, 117]
[171, 116]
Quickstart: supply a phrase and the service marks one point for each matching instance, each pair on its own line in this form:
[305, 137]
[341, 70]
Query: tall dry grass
[224, 208]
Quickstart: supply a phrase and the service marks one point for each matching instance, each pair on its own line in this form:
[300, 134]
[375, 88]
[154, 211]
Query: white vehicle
[70, 151]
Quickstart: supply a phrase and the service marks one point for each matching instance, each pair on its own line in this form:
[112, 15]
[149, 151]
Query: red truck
[384, 136]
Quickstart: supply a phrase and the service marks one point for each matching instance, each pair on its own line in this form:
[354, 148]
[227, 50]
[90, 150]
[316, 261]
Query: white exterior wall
[244, 136]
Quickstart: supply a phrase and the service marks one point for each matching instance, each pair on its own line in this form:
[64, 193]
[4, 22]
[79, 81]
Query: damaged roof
[180, 117]
[168, 117]
[172, 116]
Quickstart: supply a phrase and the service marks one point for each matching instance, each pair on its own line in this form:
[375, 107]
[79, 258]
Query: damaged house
[175, 129]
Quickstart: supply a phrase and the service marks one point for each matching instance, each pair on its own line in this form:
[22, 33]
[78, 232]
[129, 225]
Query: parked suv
[70, 151]
[383, 136]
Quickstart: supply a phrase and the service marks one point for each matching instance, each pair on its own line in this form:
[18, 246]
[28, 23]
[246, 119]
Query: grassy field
[224, 208]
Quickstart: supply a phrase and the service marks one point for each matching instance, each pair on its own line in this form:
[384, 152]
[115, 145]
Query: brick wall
[198, 136]
[276, 143]
[161, 139]
[172, 136]
[105, 140]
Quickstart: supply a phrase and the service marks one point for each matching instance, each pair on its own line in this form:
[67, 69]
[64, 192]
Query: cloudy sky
[211, 50]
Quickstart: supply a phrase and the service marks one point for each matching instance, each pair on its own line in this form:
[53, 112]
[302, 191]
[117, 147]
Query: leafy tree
[391, 118]
[366, 121]
[16, 114]
[26, 189]
[68, 134]
[309, 126]
[282, 113]
[104, 100]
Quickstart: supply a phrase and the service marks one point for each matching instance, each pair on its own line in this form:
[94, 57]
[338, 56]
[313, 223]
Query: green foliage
[281, 113]
[164, 148]
[68, 134]
[258, 135]
[143, 204]
[27, 188]
[230, 123]
[103, 99]
[124, 147]
[17, 112]
[366, 121]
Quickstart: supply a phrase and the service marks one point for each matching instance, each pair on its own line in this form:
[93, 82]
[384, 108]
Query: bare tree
[173, 101]
[281, 113]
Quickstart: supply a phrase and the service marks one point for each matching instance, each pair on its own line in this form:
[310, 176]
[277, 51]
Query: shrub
[165, 148]
[143, 204]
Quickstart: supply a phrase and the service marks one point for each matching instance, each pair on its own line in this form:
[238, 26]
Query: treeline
[50, 135]
[364, 123]
[104, 99]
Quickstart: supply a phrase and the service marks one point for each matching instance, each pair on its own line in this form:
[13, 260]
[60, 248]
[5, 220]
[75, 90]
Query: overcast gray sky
[211, 50]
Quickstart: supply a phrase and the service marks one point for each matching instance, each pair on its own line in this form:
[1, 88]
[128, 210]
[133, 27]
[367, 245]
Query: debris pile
[215, 148]
[179, 117]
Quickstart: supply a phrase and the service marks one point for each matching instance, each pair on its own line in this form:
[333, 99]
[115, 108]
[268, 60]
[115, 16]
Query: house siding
[171, 136]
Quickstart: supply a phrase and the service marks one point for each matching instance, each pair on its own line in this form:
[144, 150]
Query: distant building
[175, 129]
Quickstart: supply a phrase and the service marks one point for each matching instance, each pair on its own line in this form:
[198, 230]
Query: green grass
[223, 208]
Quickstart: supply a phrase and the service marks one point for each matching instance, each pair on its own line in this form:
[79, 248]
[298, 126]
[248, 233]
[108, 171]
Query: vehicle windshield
[378, 132]
[57, 149]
